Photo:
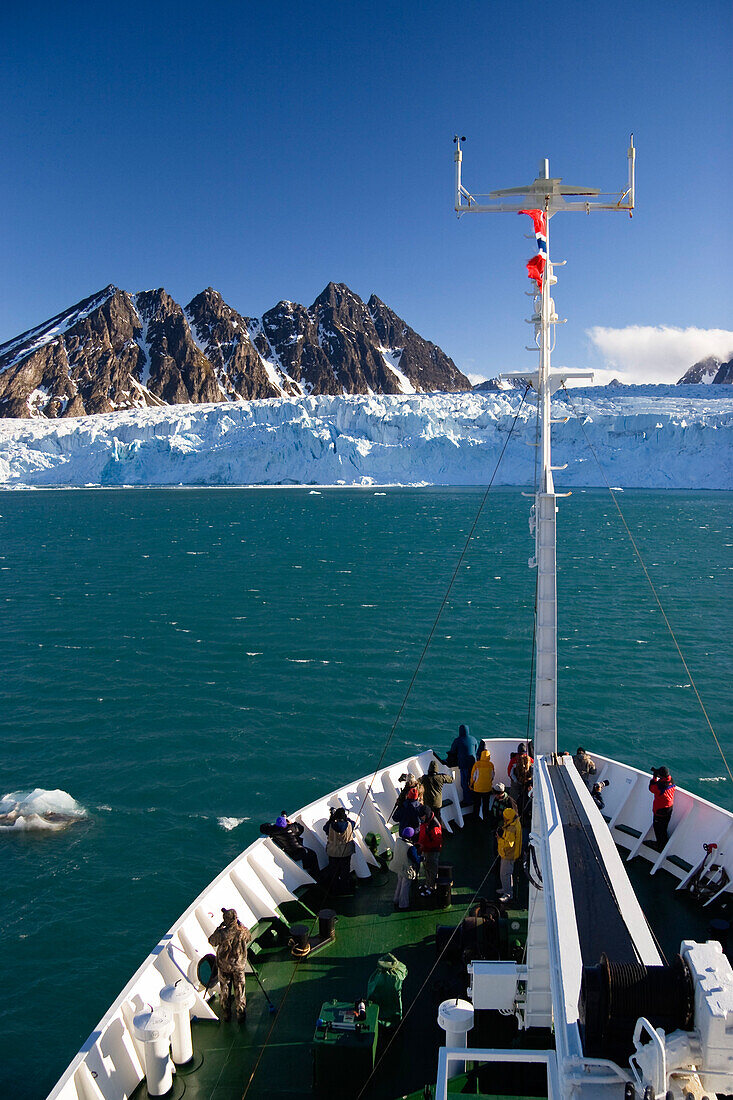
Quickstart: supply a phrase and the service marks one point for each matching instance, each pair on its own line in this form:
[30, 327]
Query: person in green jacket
[509, 843]
[432, 786]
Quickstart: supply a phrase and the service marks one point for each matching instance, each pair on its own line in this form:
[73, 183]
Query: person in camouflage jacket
[230, 940]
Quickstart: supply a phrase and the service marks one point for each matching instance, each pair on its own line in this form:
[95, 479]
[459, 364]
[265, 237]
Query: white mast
[550, 197]
[544, 996]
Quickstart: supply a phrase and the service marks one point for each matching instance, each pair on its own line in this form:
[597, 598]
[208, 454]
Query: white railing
[262, 878]
[452, 1061]
[695, 821]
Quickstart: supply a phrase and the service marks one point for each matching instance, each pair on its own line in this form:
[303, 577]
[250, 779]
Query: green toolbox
[344, 1045]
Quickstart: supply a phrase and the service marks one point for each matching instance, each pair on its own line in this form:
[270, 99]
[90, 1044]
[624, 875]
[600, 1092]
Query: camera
[601, 784]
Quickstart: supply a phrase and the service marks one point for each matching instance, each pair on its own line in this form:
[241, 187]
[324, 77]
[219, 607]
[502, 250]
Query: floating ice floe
[39, 810]
[229, 823]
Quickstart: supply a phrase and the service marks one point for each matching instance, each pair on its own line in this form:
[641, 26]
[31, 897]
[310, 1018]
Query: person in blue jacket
[463, 753]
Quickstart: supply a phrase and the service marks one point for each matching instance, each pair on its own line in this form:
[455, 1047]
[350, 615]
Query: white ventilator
[179, 999]
[456, 1019]
[154, 1029]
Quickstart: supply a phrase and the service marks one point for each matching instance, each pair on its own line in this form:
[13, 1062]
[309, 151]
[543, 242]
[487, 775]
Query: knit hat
[663, 773]
[408, 833]
[500, 788]
[281, 821]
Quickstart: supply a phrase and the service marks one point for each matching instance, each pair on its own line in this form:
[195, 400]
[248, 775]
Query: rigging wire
[651, 585]
[415, 999]
[388, 741]
[442, 605]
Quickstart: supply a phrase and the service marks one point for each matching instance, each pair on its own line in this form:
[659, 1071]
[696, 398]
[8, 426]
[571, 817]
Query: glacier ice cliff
[644, 437]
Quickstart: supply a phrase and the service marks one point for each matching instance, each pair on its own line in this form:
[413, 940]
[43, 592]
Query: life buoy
[206, 971]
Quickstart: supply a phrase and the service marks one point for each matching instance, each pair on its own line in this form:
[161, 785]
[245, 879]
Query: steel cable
[391, 733]
[651, 585]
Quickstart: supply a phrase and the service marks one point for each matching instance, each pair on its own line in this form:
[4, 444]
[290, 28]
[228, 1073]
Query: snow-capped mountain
[117, 350]
[648, 436]
[707, 371]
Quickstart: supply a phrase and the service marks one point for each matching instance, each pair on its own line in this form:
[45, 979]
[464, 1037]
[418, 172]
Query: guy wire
[387, 743]
[415, 999]
[651, 585]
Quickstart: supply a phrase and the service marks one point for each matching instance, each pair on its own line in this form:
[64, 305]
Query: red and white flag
[536, 266]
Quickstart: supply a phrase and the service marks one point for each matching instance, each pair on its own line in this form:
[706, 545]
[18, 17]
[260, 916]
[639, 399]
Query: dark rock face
[118, 351]
[172, 367]
[291, 339]
[425, 364]
[724, 376]
[225, 338]
[491, 385]
[706, 370]
[79, 362]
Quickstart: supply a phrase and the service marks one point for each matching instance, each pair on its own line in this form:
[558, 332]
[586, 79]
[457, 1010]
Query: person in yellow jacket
[509, 843]
[481, 782]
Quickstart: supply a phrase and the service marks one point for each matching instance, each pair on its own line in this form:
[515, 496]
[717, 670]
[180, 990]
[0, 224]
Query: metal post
[545, 723]
[543, 1002]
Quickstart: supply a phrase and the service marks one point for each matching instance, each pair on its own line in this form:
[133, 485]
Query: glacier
[642, 436]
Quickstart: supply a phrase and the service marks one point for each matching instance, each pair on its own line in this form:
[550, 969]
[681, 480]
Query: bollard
[179, 999]
[327, 924]
[456, 1019]
[154, 1029]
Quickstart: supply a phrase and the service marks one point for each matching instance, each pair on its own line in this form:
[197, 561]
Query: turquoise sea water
[173, 657]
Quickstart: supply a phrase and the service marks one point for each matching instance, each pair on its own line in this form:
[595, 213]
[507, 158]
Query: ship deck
[271, 1055]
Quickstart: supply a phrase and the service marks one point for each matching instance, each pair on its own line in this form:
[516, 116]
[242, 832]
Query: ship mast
[548, 196]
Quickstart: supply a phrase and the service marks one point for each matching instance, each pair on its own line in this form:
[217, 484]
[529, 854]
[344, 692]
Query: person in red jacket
[430, 842]
[519, 773]
[663, 788]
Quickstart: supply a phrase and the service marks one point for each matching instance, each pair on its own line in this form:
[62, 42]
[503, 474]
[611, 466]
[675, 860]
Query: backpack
[433, 836]
[522, 770]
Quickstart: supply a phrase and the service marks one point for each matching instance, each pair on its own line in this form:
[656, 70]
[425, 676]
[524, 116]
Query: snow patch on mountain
[392, 358]
[271, 364]
[36, 338]
[644, 437]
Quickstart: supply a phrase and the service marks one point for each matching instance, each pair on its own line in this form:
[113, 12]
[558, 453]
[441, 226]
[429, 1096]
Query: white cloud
[657, 353]
[473, 378]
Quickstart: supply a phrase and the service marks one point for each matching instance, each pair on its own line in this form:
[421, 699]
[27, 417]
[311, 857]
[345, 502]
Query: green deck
[270, 1056]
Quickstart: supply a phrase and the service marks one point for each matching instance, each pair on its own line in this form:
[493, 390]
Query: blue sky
[267, 149]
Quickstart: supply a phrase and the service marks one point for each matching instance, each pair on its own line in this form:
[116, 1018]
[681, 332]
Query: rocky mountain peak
[115, 350]
[724, 377]
[711, 369]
